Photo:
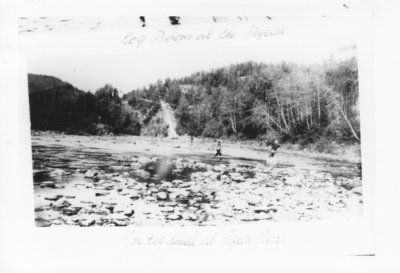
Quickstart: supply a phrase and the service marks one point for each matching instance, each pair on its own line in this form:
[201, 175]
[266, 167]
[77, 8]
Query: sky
[90, 61]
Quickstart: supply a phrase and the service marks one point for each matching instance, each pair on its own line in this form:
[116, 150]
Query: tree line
[63, 107]
[297, 103]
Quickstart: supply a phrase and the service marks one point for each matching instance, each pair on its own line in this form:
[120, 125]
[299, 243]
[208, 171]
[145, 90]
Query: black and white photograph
[201, 136]
[230, 133]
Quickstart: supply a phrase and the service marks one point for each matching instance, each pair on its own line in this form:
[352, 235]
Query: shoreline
[181, 145]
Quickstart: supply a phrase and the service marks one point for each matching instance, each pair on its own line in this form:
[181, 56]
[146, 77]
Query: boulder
[101, 193]
[48, 184]
[53, 198]
[357, 190]
[139, 187]
[57, 172]
[167, 209]
[220, 168]
[166, 184]
[40, 222]
[237, 177]
[292, 180]
[144, 174]
[87, 222]
[265, 210]
[116, 167]
[191, 217]
[129, 213]
[252, 199]
[134, 195]
[143, 160]
[135, 165]
[119, 179]
[240, 205]
[120, 222]
[177, 182]
[162, 196]
[225, 178]
[174, 217]
[59, 205]
[90, 173]
[70, 196]
[71, 211]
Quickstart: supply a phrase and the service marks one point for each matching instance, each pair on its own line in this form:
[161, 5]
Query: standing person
[191, 140]
[273, 147]
[218, 148]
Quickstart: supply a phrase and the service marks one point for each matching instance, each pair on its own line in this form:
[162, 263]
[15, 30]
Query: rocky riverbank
[86, 186]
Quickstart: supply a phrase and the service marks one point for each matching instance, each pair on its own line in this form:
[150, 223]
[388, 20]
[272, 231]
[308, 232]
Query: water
[214, 186]
[169, 119]
[72, 160]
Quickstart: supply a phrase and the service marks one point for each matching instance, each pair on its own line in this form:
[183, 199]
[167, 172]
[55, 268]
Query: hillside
[298, 103]
[302, 104]
[57, 105]
[37, 83]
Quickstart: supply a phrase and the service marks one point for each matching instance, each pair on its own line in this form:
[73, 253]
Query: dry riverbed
[125, 180]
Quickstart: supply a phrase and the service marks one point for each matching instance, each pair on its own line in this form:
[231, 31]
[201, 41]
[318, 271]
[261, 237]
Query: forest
[299, 104]
[295, 103]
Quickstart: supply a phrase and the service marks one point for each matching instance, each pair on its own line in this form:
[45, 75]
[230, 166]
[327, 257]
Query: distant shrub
[213, 129]
[324, 145]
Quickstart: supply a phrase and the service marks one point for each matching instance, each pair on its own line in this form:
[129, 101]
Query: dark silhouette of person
[273, 147]
[218, 148]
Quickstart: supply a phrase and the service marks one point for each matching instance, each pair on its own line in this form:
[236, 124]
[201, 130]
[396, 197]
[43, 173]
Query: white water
[169, 118]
